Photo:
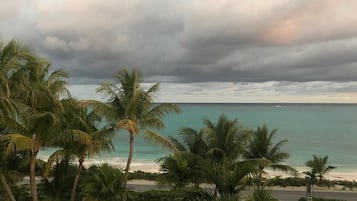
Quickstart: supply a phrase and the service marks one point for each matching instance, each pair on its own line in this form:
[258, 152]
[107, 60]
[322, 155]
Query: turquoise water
[323, 129]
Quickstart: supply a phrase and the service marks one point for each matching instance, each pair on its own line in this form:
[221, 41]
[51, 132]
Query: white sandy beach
[333, 175]
[155, 167]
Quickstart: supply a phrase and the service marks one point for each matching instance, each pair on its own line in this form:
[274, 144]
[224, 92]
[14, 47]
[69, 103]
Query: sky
[199, 50]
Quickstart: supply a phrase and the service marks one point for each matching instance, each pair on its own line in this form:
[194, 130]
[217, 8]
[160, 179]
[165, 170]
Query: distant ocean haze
[322, 129]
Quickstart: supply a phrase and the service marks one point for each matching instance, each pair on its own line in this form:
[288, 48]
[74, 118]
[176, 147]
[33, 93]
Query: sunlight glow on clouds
[252, 92]
[273, 51]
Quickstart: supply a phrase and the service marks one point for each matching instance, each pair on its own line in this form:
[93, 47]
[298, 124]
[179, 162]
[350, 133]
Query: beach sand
[333, 175]
[153, 167]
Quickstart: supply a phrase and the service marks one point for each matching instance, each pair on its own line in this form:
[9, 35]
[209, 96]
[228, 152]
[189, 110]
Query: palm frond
[15, 143]
[129, 125]
[256, 162]
[153, 88]
[7, 108]
[101, 141]
[58, 155]
[110, 91]
[12, 54]
[285, 168]
[73, 135]
[159, 139]
[102, 109]
[276, 148]
[179, 146]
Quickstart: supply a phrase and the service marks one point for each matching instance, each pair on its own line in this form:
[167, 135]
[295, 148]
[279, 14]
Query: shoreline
[152, 167]
[333, 175]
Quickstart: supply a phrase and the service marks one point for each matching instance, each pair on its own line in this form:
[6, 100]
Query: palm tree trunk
[76, 179]
[7, 188]
[130, 158]
[33, 186]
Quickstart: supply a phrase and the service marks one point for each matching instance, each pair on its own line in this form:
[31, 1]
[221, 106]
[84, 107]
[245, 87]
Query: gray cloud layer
[191, 40]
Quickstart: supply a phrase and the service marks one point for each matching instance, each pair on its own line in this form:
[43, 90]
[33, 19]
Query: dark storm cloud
[191, 41]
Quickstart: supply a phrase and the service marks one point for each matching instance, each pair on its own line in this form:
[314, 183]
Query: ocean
[322, 129]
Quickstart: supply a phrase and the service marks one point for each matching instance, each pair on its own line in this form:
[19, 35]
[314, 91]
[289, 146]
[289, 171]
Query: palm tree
[186, 165]
[14, 57]
[103, 183]
[261, 146]
[131, 107]
[183, 169]
[81, 122]
[225, 139]
[229, 177]
[262, 193]
[59, 187]
[213, 152]
[41, 91]
[318, 168]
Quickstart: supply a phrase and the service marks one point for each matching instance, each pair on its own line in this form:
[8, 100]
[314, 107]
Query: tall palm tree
[79, 119]
[131, 107]
[261, 145]
[42, 91]
[226, 140]
[14, 57]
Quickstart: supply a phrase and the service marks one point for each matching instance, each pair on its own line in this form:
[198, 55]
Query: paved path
[294, 195]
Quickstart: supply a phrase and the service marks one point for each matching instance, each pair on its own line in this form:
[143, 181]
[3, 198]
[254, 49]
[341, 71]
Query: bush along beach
[218, 160]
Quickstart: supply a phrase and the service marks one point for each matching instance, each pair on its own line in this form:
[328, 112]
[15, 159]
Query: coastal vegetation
[216, 162]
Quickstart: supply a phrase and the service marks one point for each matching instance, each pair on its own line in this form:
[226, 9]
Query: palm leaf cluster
[318, 167]
[222, 153]
[103, 183]
[129, 106]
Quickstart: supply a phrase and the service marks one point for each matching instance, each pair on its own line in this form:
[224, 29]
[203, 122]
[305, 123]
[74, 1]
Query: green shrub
[290, 181]
[102, 182]
[263, 193]
[144, 175]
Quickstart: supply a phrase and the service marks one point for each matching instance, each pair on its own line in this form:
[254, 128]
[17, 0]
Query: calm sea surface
[323, 129]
